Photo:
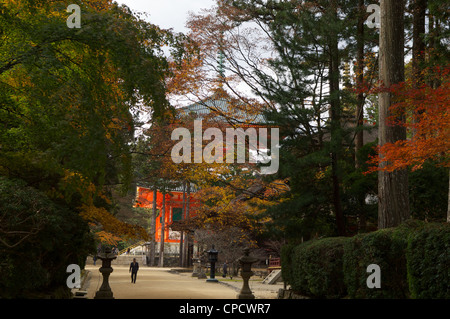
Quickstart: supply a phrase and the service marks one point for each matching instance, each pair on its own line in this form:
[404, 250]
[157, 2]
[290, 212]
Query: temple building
[173, 210]
[216, 108]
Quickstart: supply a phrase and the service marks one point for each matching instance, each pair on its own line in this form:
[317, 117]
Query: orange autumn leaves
[104, 224]
[428, 124]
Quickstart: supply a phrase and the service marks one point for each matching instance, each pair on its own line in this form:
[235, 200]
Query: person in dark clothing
[224, 269]
[134, 267]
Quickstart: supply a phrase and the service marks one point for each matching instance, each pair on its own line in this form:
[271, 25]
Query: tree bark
[359, 137]
[448, 206]
[393, 195]
[186, 217]
[183, 208]
[153, 229]
[359, 134]
[163, 224]
[418, 50]
[335, 115]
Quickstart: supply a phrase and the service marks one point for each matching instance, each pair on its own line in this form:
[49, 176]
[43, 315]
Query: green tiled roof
[219, 107]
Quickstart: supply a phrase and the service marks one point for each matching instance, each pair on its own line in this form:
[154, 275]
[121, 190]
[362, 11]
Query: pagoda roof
[218, 109]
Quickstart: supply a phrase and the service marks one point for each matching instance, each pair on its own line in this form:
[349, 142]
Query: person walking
[224, 269]
[134, 267]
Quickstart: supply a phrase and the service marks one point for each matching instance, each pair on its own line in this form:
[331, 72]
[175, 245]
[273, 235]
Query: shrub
[428, 262]
[35, 265]
[385, 248]
[316, 268]
[414, 260]
[286, 262]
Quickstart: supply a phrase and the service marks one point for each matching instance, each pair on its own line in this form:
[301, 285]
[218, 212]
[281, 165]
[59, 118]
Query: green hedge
[428, 262]
[413, 258]
[385, 248]
[318, 268]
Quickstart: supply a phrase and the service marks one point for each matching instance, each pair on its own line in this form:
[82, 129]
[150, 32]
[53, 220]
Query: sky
[168, 13]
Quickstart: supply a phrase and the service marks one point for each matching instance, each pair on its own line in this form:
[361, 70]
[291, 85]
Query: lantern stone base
[105, 291]
[212, 280]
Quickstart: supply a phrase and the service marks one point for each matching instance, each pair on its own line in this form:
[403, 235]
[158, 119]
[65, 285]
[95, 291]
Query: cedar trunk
[448, 205]
[183, 208]
[359, 135]
[186, 217]
[359, 138]
[418, 49]
[163, 224]
[393, 195]
[153, 230]
[335, 115]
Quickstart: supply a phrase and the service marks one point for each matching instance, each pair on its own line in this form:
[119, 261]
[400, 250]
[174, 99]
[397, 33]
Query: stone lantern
[213, 256]
[196, 264]
[246, 272]
[105, 290]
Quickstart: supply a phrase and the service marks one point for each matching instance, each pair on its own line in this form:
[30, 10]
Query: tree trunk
[418, 50]
[186, 217]
[448, 205]
[359, 138]
[153, 229]
[183, 208]
[393, 195]
[163, 224]
[359, 134]
[335, 115]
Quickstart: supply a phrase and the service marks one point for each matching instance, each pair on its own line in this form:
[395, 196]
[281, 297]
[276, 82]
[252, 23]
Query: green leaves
[65, 123]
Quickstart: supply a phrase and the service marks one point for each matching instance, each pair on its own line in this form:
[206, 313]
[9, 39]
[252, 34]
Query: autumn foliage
[428, 119]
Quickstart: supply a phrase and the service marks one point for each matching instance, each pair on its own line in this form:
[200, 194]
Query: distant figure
[128, 251]
[224, 269]
[134, 267]
[95, 259]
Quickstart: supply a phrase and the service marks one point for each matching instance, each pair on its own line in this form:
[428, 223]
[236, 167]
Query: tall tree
[427, 125]
[393, 207]
[418, 51]
[66, 126]
[359, 113]
[335, 114]
[163, 228]
[305, 44]
[153, 227]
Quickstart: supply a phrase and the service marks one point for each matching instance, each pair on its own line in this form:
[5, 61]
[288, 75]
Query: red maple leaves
[428, 125]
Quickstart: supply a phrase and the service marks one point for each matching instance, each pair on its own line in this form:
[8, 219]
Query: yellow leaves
[108, 238]
[112, 229]
[276, 188]
[106, 226]
[320, 175]
[74, 182]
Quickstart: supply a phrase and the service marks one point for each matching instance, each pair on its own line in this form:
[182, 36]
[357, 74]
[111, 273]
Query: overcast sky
[168, 13]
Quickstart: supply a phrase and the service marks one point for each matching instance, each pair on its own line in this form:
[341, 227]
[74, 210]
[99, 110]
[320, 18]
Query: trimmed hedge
[385, 248]
[413, 258]
[428, 262]
[318, 268]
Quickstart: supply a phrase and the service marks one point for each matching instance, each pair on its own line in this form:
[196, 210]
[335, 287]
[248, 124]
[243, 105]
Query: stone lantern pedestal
[105, 290]
[196, 269]
[201, 271]
[246, 272]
